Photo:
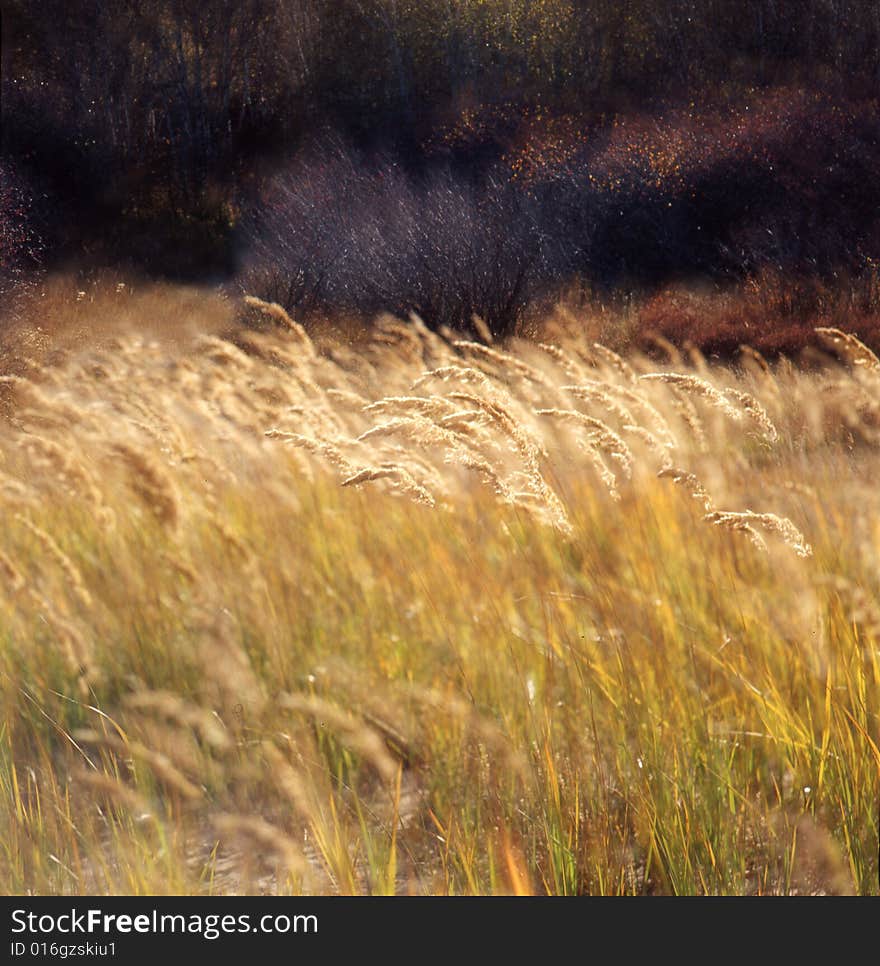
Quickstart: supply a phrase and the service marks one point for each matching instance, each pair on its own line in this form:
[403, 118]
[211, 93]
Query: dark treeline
[448, 156]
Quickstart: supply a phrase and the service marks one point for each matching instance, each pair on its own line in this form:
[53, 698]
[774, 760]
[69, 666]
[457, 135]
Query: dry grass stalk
[77, 652]
[267, 838]
[222, 353]
[642, 403]
[608, 478]
[672, 352]
[689, 480]
[464, 420]
[482, 330]
[531, 451]
[404, 481]
[274, 311]
[698, 387]
[329, 452]
[696, 358]
[184, 713]
[426, 405]
[600, 436]
[571, 368]
[462, 457]
[733, 521]
[46, 409]
[151, 484]
[756, 412]
[851, 348]
[481, 727]
[227, 670]
[528, 445]
[598, 392]
[12, 579]
[660, 448]
[353, 731]
[66, 466]
[348, 398]
[74, 578]
[444, 373]
[615, 362]
[684, 406]
[113, 790]
[781, 526]
[417, 428]
[181, 567]
[160, 765]
[755, 358]
[296, 787]
[231, 540]
[504, 360]
[435, 345]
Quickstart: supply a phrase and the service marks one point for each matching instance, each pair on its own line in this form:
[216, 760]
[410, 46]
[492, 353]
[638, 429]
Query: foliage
[784, 182]
[158, 112]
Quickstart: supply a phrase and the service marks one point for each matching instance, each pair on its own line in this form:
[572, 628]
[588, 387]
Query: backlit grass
[507, 656]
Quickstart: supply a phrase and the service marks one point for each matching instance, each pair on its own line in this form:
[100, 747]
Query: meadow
[396, 611]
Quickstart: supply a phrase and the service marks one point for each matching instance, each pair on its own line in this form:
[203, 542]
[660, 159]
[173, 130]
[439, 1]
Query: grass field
[425, 616]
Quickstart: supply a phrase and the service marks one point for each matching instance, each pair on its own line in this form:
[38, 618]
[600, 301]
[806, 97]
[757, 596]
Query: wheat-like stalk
[482, 329]
[600, 435]
[673, 354]
[464, 421]
[426, 405]
[605, 474]
[417, 428]
[404, 481]
[76, 650]
[347, 397]
[45, 409]
[274, 311]
[113, 790]
[352, 730]
[684, 406]
[599, 392]
[639, 401]
[851, 348]
[222, 353]
[616, 362]
[264, 838]
[504, 360]
[735, 521]
[151, 484]
[74, 578]
[65, 465]
[698, 387]
[12, 579]
[568, 365]
[756, 412]
[158, 763]
[184, 713]
[463, 457]
[744, 520]
[444, 373]
[691, 482]
[754, 357]
[328, 451]
[660, 448]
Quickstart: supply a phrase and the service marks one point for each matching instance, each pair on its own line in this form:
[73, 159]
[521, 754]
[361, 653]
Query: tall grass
[424, 616]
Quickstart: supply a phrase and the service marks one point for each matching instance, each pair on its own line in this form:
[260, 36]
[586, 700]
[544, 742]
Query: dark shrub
[338, 230]
[20, 245]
